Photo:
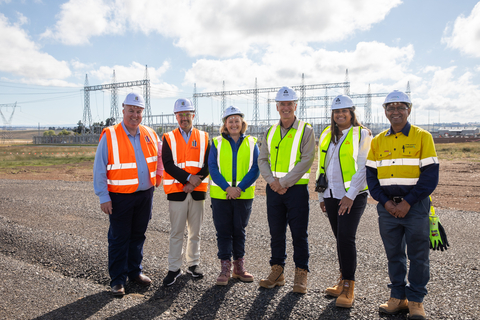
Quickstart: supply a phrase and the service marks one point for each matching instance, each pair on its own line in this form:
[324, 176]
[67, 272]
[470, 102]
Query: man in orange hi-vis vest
[128, 164]
[185, 157]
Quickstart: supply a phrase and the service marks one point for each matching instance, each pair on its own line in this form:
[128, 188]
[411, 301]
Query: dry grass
[469, 151]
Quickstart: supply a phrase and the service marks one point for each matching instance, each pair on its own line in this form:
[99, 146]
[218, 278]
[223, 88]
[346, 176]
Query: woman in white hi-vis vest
[342, 153]
[233, 168]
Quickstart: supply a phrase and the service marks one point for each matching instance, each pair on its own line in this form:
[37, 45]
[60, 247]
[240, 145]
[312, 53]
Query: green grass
[33, 155]
[459, 151]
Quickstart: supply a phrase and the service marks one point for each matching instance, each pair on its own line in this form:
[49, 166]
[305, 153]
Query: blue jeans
[412, 232]
[292, 209]
[126, 235]
[230, 218]
[344, 228]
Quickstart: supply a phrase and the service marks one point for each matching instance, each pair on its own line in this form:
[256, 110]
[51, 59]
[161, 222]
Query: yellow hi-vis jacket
[122, 175]
[285, 152]
[348, 153]
[224, 161]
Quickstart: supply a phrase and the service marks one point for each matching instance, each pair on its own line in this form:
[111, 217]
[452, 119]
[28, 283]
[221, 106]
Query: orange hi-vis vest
[187, 156]
[122, 174]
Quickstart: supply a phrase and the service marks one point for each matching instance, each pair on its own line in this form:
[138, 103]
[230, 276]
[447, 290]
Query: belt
[396, 199]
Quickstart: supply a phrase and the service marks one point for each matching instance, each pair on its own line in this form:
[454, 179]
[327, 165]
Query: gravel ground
[53, 265]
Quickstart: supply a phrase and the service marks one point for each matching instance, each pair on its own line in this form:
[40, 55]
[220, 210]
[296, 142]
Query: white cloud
[81, 19]
[370, 62]
[23, 57]
[217, 27]
[465, 34]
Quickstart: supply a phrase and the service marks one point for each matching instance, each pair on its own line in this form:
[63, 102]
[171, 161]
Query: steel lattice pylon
[7, 122]
[87, 114]
[114, 102]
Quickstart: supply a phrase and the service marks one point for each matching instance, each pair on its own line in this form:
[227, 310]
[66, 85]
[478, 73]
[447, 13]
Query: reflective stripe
[194, 164]
[202, 151]
[118, 166]
[153, 174]
[153, 136]
[283, 174]
[173, 146]
[296, 144]
[427, 161]
[219, 141]
[398, 162]
[270, 137]
[398, 182]
[151, 159]
[251, 140]
[168, 182]
[324, 134]
[122, 182]
[356, 143]
[347, 184]
[115, 153]
[371, 164]
[230, 184]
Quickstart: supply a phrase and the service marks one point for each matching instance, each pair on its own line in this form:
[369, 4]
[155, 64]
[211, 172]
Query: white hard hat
[342, 102]
[286, 94]
[230, 111]
[134, 99]
[397, 96]
[182, 105]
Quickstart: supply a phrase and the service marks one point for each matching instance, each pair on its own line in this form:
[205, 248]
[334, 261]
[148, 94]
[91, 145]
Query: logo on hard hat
[136, 98]
[285, 93]
[183, 103]
[338, 101]
[395, 97]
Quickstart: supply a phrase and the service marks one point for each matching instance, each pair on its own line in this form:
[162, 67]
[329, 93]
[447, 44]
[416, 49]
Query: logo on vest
[194, 143]
[347, 142]
[290, 136]
[147, 139]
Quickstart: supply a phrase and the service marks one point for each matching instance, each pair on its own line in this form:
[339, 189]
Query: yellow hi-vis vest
[348, 153]
[225, 160]
[284, 153]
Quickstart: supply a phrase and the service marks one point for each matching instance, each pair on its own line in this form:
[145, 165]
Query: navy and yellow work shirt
[402, 164]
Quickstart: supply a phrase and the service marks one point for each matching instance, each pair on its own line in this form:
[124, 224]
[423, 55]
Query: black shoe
[118, 290]
[171, 277]
[195, 271]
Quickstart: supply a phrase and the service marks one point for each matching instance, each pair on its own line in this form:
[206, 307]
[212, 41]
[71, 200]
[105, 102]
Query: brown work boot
[345, 299]
[239, 271]
[300, 281]
[275, 278]
[224, 276]
[337, 289]
[416, 311]
[394, 306]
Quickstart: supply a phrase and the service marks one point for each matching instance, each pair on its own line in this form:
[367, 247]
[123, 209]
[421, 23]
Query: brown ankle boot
[337, 289]
[345, 299]
[300, 281]
[224, 276]
[239, 271]
[275, 278]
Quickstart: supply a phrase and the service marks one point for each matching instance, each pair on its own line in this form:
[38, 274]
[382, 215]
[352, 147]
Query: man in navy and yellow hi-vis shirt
[286, 155]
[402, 171]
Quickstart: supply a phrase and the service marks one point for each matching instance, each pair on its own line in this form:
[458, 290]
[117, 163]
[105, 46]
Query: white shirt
[333, 171]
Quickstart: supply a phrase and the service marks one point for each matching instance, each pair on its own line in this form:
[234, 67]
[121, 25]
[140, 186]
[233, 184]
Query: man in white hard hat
[128, 164]
[286, 155]
[185, 157]
[402, 171]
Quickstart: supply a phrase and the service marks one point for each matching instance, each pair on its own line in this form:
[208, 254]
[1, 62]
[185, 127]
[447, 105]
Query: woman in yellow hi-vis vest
[342, 154]
[233, 168]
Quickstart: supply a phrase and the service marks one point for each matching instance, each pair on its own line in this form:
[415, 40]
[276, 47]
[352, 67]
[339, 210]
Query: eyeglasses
[185, 115]
[399, 109]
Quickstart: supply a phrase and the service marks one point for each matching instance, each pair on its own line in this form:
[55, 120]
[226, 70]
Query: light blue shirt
[186, 136]
[100, 166]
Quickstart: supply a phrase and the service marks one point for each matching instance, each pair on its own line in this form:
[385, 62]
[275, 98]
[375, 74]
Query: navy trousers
[292, 209]
[126, 235]
[230, 218]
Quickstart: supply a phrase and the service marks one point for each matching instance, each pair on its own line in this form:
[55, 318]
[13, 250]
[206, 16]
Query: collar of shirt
[294, 124]
[346, 130]
[239, 141]
[185, 133]
[127, 132]
[405, 130]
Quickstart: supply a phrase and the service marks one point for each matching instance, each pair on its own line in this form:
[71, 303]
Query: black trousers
[345, 229]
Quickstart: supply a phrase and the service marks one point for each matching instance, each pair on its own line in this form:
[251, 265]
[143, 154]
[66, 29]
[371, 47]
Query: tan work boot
[337, 289]
[275, 278]
[416, 311]
[394, 306]
[224, 276]
[239, 271]
[300, 281]
[346, 298]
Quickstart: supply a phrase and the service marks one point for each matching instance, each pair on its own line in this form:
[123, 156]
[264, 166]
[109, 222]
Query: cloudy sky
[47, 48]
